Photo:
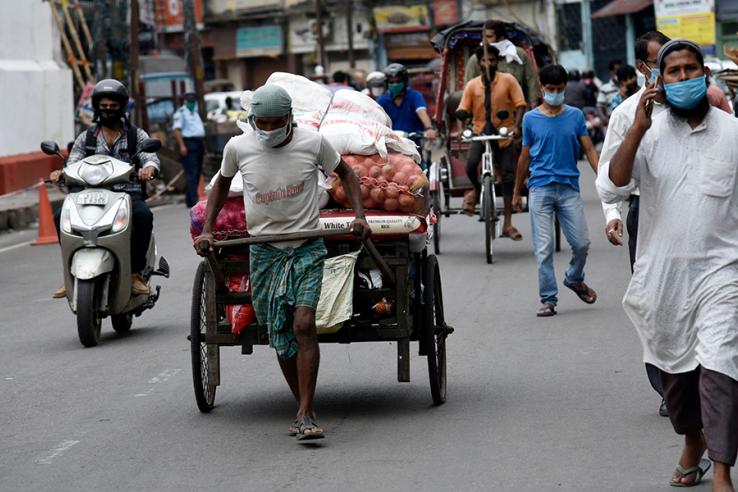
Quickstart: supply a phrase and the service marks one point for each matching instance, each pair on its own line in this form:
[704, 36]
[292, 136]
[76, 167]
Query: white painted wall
[36, 90]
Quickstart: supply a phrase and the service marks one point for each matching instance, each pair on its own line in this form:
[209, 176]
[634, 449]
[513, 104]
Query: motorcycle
[95, 236]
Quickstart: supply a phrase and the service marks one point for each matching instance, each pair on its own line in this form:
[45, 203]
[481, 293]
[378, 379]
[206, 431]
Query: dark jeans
[192, 165]
[705, 400]
[504, 158]
[143, 225]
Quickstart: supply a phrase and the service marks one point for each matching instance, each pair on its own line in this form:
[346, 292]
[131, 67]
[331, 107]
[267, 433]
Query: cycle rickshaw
[447, 172]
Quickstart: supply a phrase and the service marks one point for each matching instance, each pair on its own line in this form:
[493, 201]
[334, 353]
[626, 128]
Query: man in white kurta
[683, 296]
[646, 51]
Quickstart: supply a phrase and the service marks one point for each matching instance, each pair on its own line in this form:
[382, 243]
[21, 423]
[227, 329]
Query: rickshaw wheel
[490, 216]
[436, 197]
[434, 329]
[204, 391]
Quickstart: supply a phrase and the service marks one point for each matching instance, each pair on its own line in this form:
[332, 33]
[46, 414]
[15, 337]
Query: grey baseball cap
[270, 101]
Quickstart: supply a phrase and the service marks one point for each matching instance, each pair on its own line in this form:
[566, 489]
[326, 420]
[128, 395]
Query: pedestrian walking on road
[646, 53]
[552, 135]
[683, 296]
[190, 134]
[278, 163]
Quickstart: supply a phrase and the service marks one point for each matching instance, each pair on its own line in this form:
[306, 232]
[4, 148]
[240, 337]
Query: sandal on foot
[699, 469]
[582, 291]
[548, 309]
[294, 428]
[308, 429]
[512, 233]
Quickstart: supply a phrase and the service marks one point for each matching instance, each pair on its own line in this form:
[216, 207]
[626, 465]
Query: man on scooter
[113, 135]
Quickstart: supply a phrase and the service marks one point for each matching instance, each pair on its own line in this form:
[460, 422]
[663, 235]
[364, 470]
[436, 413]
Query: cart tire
[122, 322]
[437, 226]
[434, 329]
[89, 320]
[489, 213]
[557, 229]
[204, 391]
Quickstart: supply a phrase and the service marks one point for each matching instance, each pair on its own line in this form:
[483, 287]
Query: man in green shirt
[512, 60]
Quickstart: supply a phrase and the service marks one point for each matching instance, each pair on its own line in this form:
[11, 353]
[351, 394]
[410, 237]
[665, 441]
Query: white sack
[336, 303]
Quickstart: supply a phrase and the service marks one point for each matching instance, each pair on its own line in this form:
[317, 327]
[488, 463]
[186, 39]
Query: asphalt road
[533, 404]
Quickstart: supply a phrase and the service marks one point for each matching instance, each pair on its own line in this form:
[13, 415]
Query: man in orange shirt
[494, 100]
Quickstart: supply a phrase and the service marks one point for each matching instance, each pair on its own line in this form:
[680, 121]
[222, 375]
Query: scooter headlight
[121, 218]
[65, 222]
[94, 174]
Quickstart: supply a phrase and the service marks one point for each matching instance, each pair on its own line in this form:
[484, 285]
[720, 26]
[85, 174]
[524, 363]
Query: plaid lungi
[281, 280]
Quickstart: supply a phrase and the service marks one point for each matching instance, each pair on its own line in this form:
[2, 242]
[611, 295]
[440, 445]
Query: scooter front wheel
[88, 312]
[122, 322]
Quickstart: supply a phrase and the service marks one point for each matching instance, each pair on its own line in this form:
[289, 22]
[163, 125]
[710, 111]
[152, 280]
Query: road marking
[15, 246]
[162, 377]
[59, 450]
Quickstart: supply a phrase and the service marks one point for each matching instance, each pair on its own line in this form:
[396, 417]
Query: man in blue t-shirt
[552, 134]
[405, 106]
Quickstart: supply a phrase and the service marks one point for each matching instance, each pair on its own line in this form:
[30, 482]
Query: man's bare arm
[216, 199]
[592, 156]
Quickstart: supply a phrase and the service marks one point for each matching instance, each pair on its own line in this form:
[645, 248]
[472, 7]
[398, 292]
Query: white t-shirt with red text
[280, 185]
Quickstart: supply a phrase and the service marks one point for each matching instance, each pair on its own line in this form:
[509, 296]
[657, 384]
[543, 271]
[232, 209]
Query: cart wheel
[557, 228]
[445, 172]
[489, 214]
[204, 391]
[436, 197]
[434, 329]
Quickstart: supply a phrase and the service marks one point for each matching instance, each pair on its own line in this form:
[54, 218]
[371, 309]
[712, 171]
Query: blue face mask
[655, 73]
[553, 99]
[396, 88]
[686, 94]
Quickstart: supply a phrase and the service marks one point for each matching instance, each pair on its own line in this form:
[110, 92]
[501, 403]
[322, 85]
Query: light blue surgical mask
[655, 73]
[553, 98]
[396, 88]
[686, 94]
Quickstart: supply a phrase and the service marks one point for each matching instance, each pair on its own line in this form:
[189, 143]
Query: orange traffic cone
[46, 228]
[201, 195]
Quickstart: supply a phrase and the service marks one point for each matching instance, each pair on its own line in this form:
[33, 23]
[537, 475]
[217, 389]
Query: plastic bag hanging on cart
[336, 303]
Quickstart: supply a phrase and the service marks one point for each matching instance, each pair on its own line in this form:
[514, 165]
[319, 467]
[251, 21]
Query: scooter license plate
[92, 199]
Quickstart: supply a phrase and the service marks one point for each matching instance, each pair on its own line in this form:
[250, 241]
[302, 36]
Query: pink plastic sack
[231, 221]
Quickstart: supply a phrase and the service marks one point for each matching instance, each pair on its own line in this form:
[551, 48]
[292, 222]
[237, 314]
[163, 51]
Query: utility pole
[194, 54]
[587, 47]
[321, 41]
[101, 13]
[136, 93]
[350, 26]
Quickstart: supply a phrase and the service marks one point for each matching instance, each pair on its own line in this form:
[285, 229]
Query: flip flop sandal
[308, 424]
[548, 309]
[700, 470]
[294, 429]
[583, 292]
[515, 237]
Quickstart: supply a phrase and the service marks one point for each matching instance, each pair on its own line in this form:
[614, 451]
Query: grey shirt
[280, 185]
[118, 150]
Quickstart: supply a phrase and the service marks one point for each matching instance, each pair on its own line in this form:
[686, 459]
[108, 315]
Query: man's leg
[192, 176]
[143, 225]
[719, 405]
[542, 206]
[506, 160]
[681, 392]
[574, 226]
[472, 172]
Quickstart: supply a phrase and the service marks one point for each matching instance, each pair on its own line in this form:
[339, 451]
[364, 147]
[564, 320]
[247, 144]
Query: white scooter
[95, 229]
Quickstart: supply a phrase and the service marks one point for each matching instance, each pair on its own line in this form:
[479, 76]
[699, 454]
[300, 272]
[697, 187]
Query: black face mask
[631, 89]
[110, 118]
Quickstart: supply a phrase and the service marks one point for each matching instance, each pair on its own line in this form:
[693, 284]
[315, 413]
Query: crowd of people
[670, 150]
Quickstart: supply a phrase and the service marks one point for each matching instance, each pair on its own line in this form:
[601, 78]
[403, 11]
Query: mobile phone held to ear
[649, 103]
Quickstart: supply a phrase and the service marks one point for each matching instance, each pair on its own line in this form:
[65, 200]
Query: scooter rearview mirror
[49, 147]
[150, 145]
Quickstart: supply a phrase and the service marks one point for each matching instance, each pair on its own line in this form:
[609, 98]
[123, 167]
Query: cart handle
[280, 238]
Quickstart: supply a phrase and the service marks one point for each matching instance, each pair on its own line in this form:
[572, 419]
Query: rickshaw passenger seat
[452, 104]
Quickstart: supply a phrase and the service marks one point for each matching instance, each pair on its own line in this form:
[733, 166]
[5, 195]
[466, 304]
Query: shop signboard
[399, 18]
[169, 15]
[258, 41]
[689, 19]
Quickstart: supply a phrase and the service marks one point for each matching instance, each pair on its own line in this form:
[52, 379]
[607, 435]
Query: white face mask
[272, 138]
[377, 91]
